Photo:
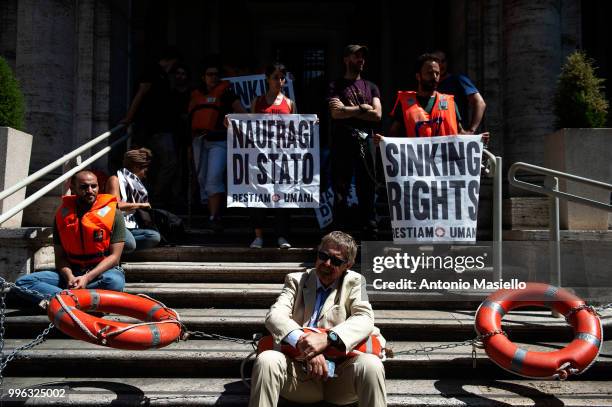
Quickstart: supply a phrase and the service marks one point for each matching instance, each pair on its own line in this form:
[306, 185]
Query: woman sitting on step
[132, 195]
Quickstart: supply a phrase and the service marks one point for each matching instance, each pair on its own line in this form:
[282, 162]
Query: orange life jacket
[86, 240]
[204, 109]
[442, 121]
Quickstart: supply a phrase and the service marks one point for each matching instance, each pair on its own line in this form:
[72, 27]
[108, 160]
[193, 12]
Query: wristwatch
[333, 338]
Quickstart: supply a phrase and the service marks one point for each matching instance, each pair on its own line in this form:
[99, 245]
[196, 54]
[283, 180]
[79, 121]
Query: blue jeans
[50, 282]
[138, 239]
[210, 159]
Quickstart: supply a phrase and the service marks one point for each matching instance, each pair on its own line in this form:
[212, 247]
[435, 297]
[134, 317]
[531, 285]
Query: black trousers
[281, 219]
[351, 155]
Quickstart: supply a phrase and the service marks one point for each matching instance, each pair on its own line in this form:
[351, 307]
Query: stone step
[243, 235]
[222, 253]
[236, 272]
[532, 235]
[218, 252]
[193, 391]
[211, 358]
[247, 295]
[394, 324]
[228, 272]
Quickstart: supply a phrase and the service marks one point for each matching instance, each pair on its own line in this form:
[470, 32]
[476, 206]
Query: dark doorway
[307, 63]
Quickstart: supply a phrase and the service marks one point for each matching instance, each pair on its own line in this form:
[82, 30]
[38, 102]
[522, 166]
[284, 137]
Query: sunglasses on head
[335, 261]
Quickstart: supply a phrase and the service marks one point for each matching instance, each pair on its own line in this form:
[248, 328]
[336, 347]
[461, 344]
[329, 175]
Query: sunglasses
[335, 261]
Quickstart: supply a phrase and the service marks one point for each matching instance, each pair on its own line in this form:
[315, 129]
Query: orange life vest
[86, 240]
[442, 121]
[204, 109]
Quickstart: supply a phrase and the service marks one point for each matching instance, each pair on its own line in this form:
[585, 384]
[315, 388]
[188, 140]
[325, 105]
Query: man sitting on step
[333, 297]
[88, 238]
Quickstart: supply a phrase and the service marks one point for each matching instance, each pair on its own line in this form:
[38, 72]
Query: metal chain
[204, 335]
[430, 349]
[474, 343]
[5, 286]
[603, 307]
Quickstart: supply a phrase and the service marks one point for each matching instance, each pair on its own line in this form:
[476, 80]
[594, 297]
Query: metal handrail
[495, 171]
[551, 189]
[534, 169]
[43, 171]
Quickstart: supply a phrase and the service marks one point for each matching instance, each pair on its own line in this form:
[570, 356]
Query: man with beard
[426, 112]
[355, 109]
[333, 297]
[88, 238]
[465, 92]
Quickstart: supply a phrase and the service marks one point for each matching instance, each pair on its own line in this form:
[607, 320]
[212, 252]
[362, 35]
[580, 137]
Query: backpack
[169, 225]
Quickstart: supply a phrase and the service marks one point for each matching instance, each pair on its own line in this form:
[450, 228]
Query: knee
[113, 280]
[130, 243]
[369, 367]
[24, 281]
[269, 361]
[154, 237]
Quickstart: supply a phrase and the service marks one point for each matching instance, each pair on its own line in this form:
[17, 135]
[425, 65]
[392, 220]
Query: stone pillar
[45, 68]
[63, 63]
[491, 73]
[84, 78]
[532, 60]
[571, 26]
[92, 81]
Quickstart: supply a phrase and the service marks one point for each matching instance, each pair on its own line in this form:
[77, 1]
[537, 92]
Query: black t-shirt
[180, 110]
[354, 93]
[157, 112]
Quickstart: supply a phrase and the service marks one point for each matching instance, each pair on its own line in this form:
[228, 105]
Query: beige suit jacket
[346, 310]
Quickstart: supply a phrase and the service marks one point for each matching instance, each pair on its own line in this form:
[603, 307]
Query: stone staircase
[225, 288]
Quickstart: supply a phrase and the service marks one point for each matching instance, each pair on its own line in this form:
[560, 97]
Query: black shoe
[216, 225]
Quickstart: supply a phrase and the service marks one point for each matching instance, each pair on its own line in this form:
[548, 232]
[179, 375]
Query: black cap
[351, 49]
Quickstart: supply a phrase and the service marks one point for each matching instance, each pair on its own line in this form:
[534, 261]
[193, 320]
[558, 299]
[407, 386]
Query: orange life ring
[369, 345]
[575, 358]
[68, 311]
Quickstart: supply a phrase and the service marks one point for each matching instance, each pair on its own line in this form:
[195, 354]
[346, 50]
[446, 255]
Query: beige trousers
[361, 378]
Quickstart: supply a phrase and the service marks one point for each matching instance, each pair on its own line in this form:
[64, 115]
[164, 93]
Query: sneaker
[283, 243]
[257, 243]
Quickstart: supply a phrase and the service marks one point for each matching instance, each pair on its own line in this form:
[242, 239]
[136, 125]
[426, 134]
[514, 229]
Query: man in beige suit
[333, 297]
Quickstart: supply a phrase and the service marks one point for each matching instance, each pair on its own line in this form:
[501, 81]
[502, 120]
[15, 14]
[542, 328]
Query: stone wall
[25, 250]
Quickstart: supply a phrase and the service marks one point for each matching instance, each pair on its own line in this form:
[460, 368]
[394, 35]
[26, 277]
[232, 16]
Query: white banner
[325, 212]
[273, 161]
[433, 185]
[249, 87]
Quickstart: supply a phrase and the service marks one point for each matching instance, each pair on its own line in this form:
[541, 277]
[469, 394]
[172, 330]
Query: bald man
[88, 238]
